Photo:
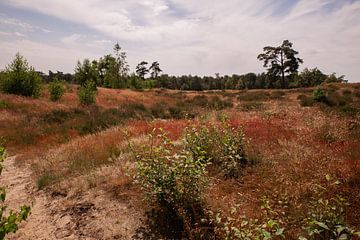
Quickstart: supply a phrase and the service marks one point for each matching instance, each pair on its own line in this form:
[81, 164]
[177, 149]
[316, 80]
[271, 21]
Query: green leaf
[279, 231]
[328, 177]
[343, 237]
[321, 224]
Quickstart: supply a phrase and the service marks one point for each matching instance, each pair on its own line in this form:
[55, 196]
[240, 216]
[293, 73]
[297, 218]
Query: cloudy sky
[185, 36]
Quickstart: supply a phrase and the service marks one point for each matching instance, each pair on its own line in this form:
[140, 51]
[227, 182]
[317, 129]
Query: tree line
[113, 71]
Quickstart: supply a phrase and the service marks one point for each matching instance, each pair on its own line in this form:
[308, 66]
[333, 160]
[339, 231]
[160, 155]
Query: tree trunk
[282, 71]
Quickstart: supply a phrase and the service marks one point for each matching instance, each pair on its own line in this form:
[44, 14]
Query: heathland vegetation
[115, 155]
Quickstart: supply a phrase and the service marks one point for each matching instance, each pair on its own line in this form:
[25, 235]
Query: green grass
[45, 179]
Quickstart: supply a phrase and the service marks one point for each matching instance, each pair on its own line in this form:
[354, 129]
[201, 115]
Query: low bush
[45, 180]
[61, 116]
[357, 94]
[173, 180]
[177, 112]
[222, 145]
[305, 101]
[202, 101]
[87, 93]
[217, 103]
[346, 92]
[252, 106]
[198, 101]
[245, 228]
[56, 90]
[277, 95]
[319, 95]
[325, 218]
[254, 96]
[4, 104]
[160, 110]
[326, 134]
[133, 110]
[335, 99]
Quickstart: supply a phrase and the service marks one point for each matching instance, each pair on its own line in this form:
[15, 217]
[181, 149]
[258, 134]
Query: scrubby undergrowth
[228, 158]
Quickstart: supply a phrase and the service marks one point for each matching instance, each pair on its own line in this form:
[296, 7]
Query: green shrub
[9, 222]
[56, 90]
[160, 110]
[323, 221]
[87, 93]
[357, 94]
[325, 218]
[350, 110]
[177, 112]
[252, 106]
[20, 79]
[198, 101]
[277, 95]
[133, 110]
[346, 92]
[305, 101]
[223, 145]
[202, 101]
[319, 95]
[59, 116]
[45, 180]
[244, 228]
[173, 178]
[335, 99]
[326, 134]
[4, 104]
[218, 104]
[254, 96]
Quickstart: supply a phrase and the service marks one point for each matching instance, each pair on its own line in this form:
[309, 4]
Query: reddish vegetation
[296, 146]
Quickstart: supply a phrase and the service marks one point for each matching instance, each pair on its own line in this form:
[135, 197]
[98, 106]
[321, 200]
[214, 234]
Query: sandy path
[92, 215]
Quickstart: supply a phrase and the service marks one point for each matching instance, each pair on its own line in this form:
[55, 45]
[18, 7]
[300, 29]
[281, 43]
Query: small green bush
[252, 106]
[20, 79]
[133, 110]
[245, 228]
[56, 90]
[319, 95]
[222, 145]
[357, 94]
[160, 110]
[305, 101]
[173, 178]
[177, 112]
[346, 92]
[254, 96]
[325, 218]
[277, 95]
[198, 101]
[9, 222]
[45, 180]
[4, 104]
[87, 93]
[218, 104]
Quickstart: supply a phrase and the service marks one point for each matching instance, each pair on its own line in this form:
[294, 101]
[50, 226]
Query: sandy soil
[93, 215]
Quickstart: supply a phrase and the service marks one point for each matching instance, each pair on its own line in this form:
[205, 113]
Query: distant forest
[112, 71]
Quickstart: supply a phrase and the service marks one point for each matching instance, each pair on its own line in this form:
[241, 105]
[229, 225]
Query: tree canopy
[281, 61]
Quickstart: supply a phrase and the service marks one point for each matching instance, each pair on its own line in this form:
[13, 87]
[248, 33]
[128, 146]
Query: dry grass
[298, 147]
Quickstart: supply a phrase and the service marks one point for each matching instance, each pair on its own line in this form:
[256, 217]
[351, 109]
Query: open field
[78, 169]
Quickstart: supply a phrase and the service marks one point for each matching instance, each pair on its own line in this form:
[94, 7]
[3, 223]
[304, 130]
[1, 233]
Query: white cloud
[41, 55]
[20, 25]
[204, 37]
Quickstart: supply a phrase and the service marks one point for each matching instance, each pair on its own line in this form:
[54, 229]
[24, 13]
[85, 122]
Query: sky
[200, 37]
